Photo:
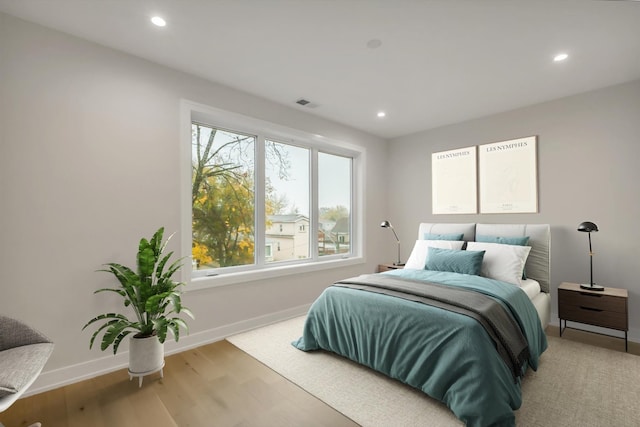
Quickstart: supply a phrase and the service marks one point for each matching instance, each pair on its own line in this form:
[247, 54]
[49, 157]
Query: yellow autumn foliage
[200, 253]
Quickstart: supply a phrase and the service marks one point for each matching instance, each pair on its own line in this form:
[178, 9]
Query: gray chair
[23, 353]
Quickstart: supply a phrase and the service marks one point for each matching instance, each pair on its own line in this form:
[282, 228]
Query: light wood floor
[214, 385]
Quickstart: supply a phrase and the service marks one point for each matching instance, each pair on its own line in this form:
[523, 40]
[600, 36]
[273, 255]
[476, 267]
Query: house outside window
[291, 244]
[268, 251]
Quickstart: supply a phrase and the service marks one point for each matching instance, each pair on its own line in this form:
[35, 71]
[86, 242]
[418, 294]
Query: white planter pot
[146, 355]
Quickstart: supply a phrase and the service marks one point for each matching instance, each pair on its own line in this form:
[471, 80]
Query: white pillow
[418, 257]
[502, 262]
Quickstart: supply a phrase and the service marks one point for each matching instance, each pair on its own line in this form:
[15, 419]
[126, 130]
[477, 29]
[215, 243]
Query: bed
[464, 339]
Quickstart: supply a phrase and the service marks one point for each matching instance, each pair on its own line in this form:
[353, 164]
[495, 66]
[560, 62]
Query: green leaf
[181, 323]
[105, 316]
[188, 312]
[124, 274]
[112, 333]
[155, 303]
[175, 330]
[127, 278]
[166, 242]
[162, 263]
[95, 334]
[177, 264]
[156, 242]
[146, 263]
[118, 340]
[118, 291]
[161, 328]
[174, 297]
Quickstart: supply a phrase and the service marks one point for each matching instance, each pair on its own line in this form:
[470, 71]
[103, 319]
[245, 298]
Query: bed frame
[538, 265]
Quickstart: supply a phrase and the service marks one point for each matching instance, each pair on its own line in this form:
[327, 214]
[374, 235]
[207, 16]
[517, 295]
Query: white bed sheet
[541, 300]
[530, 287]
[542, 303]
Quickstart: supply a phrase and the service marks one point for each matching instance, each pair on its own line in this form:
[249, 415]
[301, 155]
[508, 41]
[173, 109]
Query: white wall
[89, 163]
[588, 153]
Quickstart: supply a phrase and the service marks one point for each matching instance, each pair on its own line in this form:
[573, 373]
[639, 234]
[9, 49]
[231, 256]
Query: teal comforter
[448, 356]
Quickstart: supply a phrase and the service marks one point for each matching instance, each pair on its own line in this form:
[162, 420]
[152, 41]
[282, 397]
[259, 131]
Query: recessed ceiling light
[158, 21]
[560, 57]
[381, 114]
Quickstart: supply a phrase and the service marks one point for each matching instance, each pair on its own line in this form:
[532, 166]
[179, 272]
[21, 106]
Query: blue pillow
[516, 241]
[429, 236]
[465, 262]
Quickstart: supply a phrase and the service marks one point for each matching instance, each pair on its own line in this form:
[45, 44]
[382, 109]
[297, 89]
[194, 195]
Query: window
[222, 197]
[261, 196]
[287, 198]
[335, 203]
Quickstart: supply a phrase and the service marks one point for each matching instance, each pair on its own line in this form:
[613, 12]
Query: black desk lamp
[590, 227]
[387, 224]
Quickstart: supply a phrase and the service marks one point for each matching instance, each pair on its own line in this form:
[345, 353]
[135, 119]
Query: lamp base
[399, 264]
[592, 287]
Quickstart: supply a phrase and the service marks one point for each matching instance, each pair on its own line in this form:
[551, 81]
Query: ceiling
[438, 61]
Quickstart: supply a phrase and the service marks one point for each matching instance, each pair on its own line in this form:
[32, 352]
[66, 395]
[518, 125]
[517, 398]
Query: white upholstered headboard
[538, 266]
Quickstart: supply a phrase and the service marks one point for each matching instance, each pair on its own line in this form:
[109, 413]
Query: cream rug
[576, 384]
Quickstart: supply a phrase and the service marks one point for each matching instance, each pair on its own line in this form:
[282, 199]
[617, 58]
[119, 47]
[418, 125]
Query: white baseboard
[49, 380]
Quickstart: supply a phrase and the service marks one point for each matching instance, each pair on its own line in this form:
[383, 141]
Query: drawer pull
[591, 295]
[590, 309]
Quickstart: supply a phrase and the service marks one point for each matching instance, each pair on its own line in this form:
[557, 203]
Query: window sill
[200, 283]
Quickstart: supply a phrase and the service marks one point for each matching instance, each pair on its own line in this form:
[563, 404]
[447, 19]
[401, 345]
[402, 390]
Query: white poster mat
[508, 176]
[454, 181]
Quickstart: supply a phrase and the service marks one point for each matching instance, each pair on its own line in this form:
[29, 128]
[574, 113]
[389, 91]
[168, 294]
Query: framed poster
[508, 176]
[454, 183]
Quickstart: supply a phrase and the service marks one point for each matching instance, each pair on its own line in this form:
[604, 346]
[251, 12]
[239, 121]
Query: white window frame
[191, 111]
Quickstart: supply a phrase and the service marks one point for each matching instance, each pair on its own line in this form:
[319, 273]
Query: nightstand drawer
[387, 267]
[593, 301]
[592, 316]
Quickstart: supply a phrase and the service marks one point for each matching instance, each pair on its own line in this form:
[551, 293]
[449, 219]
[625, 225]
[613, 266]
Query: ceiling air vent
[306, 103]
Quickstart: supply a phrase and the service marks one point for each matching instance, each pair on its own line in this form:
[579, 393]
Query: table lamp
[589, 227]
[387, 224]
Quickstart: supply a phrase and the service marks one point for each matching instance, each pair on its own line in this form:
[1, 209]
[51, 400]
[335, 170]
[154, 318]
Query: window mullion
[353, 231]
[260, 214]
[314, 212]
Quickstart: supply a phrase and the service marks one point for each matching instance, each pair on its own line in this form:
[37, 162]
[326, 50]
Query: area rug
[575, 385]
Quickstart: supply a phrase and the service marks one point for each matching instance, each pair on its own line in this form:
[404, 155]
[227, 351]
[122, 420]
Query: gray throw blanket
[501, 326]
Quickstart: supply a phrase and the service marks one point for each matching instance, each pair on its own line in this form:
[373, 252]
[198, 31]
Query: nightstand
[387, 267]
[607, 309]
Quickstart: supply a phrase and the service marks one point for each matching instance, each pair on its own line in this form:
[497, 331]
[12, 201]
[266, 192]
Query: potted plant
[155, 299]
